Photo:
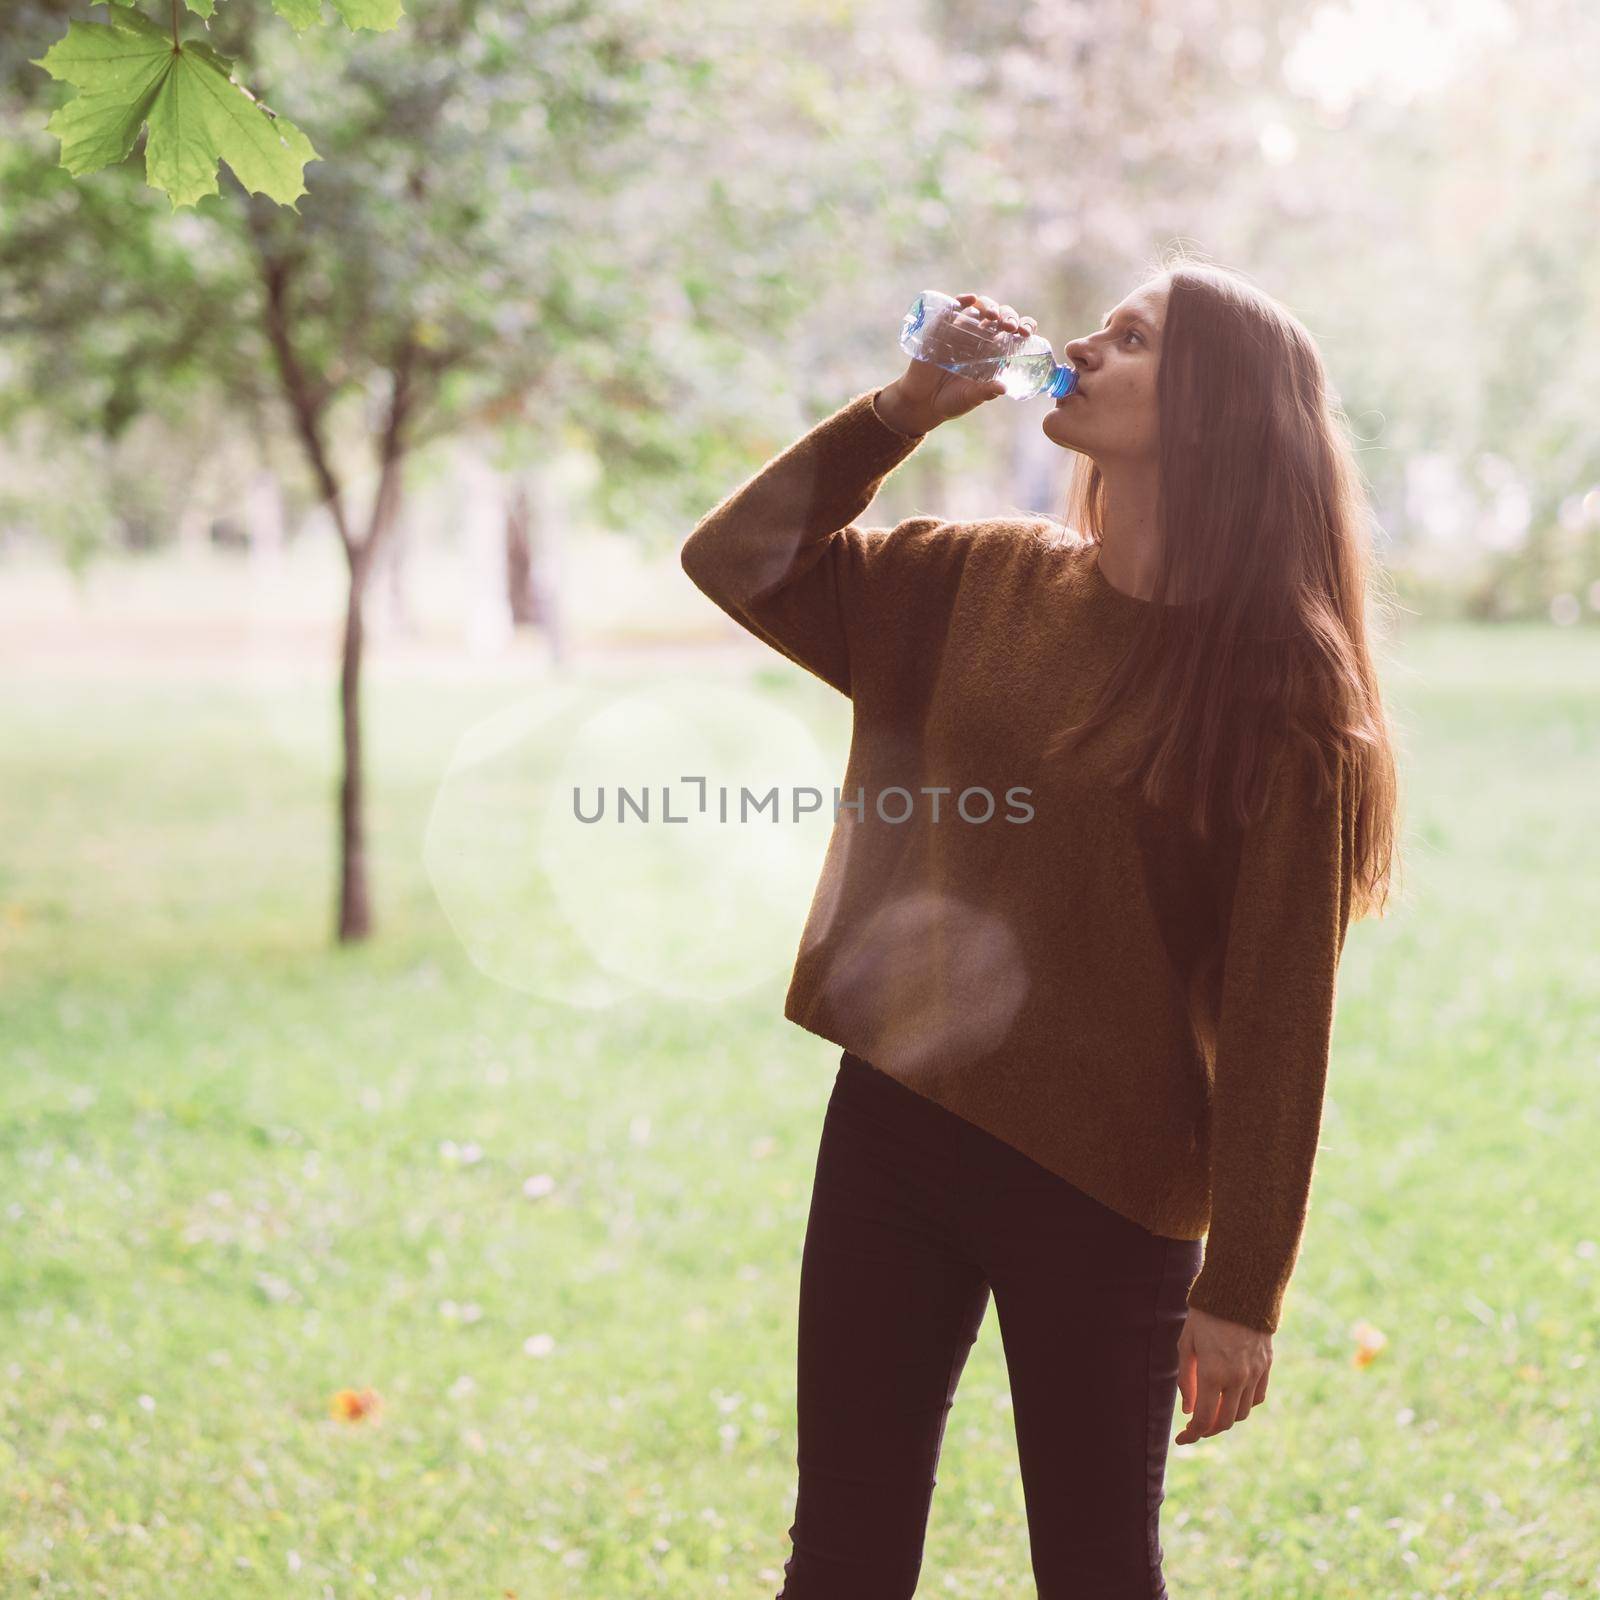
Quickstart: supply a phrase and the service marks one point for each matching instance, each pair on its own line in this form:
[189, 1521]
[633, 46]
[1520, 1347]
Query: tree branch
[305, 403]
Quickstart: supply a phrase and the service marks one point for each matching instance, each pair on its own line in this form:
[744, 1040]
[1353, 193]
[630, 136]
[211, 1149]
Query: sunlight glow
[1395, 49]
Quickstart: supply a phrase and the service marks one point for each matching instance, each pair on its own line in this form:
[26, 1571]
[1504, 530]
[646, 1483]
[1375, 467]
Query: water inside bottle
[956, 338]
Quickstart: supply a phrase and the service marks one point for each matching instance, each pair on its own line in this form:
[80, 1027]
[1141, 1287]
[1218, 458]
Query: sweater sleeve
[783, 557]
[1285, 935]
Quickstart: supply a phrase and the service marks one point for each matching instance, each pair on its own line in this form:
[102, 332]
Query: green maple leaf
[128, 73]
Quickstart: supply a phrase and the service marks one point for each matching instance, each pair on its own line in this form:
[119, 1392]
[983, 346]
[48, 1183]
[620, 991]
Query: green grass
[227, 1193]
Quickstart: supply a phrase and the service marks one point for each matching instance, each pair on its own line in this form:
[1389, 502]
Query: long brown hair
[1264, 515]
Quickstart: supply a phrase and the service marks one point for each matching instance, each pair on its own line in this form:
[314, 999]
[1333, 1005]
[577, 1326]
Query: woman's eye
[1132, 333]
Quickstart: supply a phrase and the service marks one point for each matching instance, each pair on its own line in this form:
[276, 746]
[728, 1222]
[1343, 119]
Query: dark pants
[916, 1215]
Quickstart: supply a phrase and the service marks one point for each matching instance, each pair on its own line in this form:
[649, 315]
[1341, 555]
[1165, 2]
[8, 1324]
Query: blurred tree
[428, 277]
[1441, 246]
[428, 273]
[529, 218]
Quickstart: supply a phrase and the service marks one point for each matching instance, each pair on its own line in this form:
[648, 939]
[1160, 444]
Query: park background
[434, 1230]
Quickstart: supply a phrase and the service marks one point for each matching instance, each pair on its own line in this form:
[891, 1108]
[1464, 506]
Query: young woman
[1114, 795]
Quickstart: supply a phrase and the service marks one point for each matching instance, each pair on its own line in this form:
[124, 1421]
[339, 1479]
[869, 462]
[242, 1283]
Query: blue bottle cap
[1062, 382]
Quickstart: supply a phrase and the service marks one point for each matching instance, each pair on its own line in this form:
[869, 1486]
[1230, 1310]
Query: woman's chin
[1060, 436]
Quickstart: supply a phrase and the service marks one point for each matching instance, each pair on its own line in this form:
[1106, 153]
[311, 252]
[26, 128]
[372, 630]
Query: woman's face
[1112, 414]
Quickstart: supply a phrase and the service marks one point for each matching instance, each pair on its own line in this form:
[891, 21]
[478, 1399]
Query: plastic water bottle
[938, 328]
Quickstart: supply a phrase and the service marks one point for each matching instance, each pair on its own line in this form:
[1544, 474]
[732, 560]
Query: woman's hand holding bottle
[925, 395]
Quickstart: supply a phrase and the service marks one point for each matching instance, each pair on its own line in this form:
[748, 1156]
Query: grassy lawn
[241, 1170]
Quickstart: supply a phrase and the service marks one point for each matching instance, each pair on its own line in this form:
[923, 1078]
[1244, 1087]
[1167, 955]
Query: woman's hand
[1222, 1373]
[926, 395]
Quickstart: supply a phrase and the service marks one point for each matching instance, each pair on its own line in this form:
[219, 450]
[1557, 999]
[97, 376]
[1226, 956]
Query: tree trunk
[308, 397]
[548, 590]
[355, 906]
[534, 528]
[520, 592]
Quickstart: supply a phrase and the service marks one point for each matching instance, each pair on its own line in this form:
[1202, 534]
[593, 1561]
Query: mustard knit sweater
[1145, 1014]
